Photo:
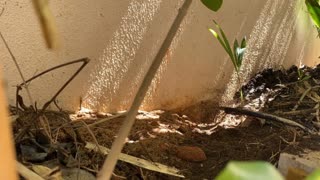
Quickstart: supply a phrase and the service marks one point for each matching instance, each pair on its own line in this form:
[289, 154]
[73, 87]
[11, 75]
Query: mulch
[195, 143]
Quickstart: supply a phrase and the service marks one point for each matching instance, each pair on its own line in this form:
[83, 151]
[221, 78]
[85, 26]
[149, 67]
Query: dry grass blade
[305, 92]
[46, 127]
[139, 162]
[27, 173]
[92, 135]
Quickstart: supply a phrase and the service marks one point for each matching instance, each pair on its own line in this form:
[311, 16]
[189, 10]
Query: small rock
[287, 161]
[192, 154]
[296, 174]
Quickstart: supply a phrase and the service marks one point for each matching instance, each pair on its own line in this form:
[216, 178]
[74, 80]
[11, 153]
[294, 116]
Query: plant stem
[124, 131]
[239, 84]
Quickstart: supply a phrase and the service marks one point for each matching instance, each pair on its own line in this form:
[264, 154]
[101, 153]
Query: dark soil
[159, 139]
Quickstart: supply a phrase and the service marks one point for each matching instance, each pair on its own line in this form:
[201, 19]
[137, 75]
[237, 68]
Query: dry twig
[265, 116]
[107, 119]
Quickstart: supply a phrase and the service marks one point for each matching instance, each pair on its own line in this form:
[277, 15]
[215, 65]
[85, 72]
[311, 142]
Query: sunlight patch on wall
[151, 95]
[268, 42]
[113, 63]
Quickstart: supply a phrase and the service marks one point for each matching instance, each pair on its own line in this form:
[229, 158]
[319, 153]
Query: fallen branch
[153, 166]
[265, 116]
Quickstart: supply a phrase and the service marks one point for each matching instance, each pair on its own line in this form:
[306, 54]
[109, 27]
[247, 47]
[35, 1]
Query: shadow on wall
[105, 80]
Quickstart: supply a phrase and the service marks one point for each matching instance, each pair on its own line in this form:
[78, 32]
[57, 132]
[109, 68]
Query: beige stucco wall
[122, 37]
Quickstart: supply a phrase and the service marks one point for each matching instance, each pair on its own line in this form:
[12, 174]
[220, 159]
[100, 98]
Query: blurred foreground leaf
[314, 176]
[314, 11]
[47, 23]
[213, 5]
[249, 171]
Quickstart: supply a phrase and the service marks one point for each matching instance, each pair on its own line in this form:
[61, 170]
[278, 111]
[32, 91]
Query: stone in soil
[190, 153]
[307, 162]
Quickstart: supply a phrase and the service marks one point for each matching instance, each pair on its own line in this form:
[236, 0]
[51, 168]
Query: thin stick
[297, 112]
[18, 67]
[108, 119]
[265, 116]
[85, 61]
[117, 146]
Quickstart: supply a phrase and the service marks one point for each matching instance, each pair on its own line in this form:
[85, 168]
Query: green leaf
[243, 43]
[213, 5]
[226, 42]
[314, 11]
[240, 53]
[235, 53]
[216, 35]
[249, 171]
[315, 175]
[223, 44]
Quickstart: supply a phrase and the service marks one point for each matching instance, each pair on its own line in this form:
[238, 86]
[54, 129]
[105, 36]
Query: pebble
[191, 153]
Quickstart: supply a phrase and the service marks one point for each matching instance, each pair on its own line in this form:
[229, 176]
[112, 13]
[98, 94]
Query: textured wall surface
[122, 37]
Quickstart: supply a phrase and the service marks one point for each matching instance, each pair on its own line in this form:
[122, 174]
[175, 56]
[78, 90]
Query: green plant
[255, 170]
[315, 175]
[302, 76]
[313, 8]
[235, 54]
[249, 171]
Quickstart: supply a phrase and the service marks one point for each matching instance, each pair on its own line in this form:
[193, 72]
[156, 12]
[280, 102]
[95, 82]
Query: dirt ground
[191, 140]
